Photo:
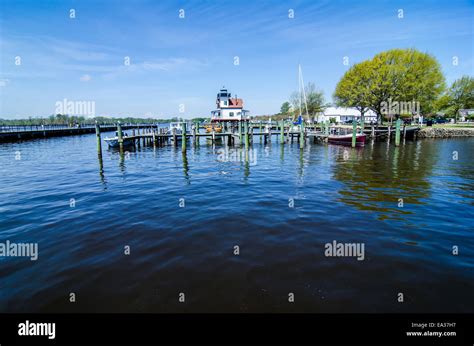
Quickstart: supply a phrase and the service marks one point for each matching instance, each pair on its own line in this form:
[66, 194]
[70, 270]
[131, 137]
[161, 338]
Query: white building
[342, 115]
[464, 113]
[228, 108]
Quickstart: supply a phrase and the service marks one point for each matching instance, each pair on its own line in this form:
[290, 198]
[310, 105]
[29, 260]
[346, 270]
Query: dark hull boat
[347, 139]
[114, 143]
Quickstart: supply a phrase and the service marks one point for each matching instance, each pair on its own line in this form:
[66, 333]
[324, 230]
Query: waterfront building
[343, 115]
[229, 108]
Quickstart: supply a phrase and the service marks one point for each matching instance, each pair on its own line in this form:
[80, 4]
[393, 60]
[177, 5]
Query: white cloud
[85, 78]
[4, 82]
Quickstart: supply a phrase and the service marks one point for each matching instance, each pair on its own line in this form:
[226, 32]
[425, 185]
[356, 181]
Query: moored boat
[177, 128]
[113, 142]
[346, 139]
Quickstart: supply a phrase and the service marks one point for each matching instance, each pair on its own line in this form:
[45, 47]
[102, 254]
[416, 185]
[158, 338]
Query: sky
[182, 52]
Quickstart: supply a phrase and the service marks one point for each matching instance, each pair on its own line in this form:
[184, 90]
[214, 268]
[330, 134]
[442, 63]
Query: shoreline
[445, 132]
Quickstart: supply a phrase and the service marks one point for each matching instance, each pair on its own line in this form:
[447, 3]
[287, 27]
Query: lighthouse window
[225, 103]
[231, 114]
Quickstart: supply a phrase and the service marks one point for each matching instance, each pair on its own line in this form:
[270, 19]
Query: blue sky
[176, 61]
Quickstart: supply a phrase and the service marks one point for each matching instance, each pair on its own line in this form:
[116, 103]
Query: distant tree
[461, 95]
[285, 108]
[295, 103]
[201, 120]
[314, 100]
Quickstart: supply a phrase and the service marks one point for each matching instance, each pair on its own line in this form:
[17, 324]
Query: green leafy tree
[397, 75]
[353, 90]
[285, 108]
[459, 96]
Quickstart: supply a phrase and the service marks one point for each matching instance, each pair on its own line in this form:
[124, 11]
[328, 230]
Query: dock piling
[397, 133]
[282, 132]
[120, 135]
[99, 142]
[175, 142]
[246, 133]
[183, 141]
[354, 133]
[240, 132]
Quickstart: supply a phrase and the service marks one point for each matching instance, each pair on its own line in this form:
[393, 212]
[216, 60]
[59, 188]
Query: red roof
[234, 102]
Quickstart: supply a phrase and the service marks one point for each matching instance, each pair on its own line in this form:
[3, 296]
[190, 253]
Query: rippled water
[134, 200]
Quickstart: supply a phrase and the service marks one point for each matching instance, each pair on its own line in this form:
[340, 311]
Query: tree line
[73, 120]
[395, 83]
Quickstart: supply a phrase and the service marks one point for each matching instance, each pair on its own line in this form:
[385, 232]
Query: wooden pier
[243, 134]
[21, 133]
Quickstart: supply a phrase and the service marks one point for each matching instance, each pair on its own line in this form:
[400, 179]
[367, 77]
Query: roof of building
[235, 103]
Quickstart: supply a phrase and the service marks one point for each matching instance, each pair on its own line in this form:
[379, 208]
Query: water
[338, 193]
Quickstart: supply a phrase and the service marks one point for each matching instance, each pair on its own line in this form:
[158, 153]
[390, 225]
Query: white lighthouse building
[228, 108]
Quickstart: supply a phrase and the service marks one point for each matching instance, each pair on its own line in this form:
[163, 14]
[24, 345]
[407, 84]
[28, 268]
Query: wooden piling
[282, 132]
[354, 133]
[397, 132]
[183, 138]
[240, 132]
[175, 142]
[99, 142]
[120, 135]
[246, 134]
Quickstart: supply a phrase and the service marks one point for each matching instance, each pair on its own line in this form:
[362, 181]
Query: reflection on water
[238, 197]
[185, 166]
[378, 176]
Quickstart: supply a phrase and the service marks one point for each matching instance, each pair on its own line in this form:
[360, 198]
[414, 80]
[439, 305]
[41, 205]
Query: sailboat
[302, 97]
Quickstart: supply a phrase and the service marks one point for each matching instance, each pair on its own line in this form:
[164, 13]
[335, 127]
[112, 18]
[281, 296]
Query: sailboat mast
[304, 93]
[299, 87]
